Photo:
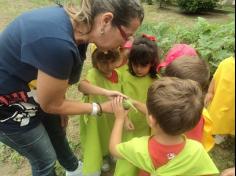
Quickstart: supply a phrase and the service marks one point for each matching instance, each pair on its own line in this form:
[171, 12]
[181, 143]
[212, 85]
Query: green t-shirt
[192, 160]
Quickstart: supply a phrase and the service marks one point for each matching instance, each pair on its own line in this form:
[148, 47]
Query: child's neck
[166, 139]
[108, 75]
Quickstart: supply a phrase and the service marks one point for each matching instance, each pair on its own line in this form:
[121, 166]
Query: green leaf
[127, 104]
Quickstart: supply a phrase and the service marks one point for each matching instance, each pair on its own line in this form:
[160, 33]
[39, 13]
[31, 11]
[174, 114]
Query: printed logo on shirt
[18, 112]
[170, 156]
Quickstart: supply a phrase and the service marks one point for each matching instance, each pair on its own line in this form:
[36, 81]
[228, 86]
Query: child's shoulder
[138, 139]
[193, 145]
[136, 143]
[93, 74]
[228, 61]
[93, 71]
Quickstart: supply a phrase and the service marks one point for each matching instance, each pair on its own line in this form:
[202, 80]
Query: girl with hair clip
[95, 130]
[124, 54]
[34, 128]
[142, 62]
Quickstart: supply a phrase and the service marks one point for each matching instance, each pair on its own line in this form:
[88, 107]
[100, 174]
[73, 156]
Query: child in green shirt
[174, 107]
[95, 130]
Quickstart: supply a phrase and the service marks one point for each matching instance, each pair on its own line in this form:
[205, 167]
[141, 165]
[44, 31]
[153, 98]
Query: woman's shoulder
[49, 22]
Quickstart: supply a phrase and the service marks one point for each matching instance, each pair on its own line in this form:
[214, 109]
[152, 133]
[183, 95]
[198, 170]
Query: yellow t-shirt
[222, 107]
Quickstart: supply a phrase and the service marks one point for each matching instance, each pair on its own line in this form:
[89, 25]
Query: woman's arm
[88, 88]
[51, 97]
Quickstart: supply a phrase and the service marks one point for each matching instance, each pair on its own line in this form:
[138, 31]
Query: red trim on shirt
[197, 132]
[114, 77]
[13, 98]
[161, 154]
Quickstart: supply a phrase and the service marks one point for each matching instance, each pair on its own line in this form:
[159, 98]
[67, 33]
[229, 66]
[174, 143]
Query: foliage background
[213, 36]
[213, 41]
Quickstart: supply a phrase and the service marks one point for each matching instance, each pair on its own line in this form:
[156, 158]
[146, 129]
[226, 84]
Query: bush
[214, 42]
[194, 6]
[163, 3]
[149, 2]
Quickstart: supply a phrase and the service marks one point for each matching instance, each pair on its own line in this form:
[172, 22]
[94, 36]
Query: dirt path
[9, 169]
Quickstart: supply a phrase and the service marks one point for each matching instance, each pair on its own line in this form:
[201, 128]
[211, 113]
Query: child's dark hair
[100, 56]
[143, 52]
[193, 68]
[175, 103]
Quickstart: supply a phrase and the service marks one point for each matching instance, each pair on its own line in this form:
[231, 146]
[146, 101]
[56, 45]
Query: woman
[49, 45]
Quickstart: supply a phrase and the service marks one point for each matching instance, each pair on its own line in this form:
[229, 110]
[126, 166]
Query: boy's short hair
[188, 67]
[101, 56]
[175, 103]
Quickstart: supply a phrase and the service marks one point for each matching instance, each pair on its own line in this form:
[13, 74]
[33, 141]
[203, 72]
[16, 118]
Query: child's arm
[210, 93]
[88, 88]
[128, 124]
[116, 134]
[140, 106]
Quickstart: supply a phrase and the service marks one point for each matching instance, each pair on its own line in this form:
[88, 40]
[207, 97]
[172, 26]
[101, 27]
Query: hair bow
[150, 37]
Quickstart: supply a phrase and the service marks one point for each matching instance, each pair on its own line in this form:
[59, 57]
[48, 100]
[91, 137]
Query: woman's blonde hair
[123, 10]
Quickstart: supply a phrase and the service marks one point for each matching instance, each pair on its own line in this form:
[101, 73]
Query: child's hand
[112, 94]
[128, 125]
[208, 99]
[118, 109]
[64, 121]
[228, 172]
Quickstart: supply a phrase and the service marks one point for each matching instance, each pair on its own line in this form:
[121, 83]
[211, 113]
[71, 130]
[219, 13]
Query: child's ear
[151, 120]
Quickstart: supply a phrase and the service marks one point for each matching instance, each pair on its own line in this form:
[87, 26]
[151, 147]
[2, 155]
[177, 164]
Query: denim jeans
[57, 135]
[36, 146]
[42, 145]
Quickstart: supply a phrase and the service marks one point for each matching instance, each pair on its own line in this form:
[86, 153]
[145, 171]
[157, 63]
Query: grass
[12, 163]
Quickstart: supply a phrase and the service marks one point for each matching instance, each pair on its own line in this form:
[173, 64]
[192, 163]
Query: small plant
[214, 42]
[127, 104]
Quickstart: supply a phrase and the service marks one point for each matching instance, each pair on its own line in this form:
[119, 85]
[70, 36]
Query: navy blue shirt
[41, 39]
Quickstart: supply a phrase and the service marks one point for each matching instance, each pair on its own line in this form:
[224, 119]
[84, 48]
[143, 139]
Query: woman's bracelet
[100, 108]
[96, 109]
